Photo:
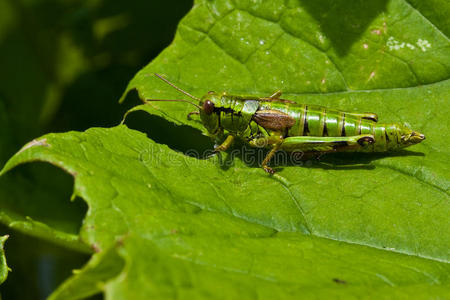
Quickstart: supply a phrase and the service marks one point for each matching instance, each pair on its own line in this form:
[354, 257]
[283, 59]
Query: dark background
[63, 66]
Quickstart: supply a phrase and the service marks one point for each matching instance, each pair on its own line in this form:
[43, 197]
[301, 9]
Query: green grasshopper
[280, 124]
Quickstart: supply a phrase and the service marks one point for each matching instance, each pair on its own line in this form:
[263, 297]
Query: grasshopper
[280, 124]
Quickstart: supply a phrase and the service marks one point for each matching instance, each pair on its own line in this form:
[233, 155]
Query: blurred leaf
[3, 266]
[39, 55]
[74, 58]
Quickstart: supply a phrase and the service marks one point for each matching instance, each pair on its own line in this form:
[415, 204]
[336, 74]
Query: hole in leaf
[42, 192]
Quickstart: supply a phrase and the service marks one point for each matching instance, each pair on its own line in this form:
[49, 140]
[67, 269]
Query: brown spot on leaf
[34, 143]
[376, 31]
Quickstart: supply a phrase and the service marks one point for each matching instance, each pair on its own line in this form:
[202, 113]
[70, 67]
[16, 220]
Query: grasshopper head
[207, 106]
[409, 137]
[208, 115]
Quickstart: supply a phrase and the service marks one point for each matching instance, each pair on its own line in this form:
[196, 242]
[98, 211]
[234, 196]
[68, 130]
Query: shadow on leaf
[342, 21]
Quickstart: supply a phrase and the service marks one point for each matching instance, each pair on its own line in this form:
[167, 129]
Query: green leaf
[3, 266]
[186, 226]
[190, 228]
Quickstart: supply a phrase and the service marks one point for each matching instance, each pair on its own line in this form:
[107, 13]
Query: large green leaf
[189, 228]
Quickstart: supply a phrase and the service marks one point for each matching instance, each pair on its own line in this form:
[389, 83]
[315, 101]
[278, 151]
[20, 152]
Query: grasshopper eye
[208, 107]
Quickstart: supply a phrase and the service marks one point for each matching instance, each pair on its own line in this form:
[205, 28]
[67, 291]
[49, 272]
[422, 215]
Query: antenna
[174, 100]
[175, 87]
[178, 89]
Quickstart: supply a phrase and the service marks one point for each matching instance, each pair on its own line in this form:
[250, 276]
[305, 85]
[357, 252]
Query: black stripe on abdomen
[305, 125]
[343, 125]
[325, 129]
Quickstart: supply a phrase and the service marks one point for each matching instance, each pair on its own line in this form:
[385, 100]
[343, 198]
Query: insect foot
[269, 170]
[259, 143]
[219, 148]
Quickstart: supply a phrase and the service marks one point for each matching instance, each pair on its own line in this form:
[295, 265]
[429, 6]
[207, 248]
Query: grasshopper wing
[273, 119]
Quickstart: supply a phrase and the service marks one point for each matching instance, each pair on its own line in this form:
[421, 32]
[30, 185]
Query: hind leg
[273, 141]
[327, 144]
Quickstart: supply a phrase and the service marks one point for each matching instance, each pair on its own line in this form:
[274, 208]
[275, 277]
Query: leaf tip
[125, 94]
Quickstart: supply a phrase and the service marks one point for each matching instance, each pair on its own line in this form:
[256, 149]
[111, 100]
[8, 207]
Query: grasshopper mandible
[280, 124]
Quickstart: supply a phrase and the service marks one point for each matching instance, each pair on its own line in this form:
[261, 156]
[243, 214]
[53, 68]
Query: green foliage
[167, 225]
